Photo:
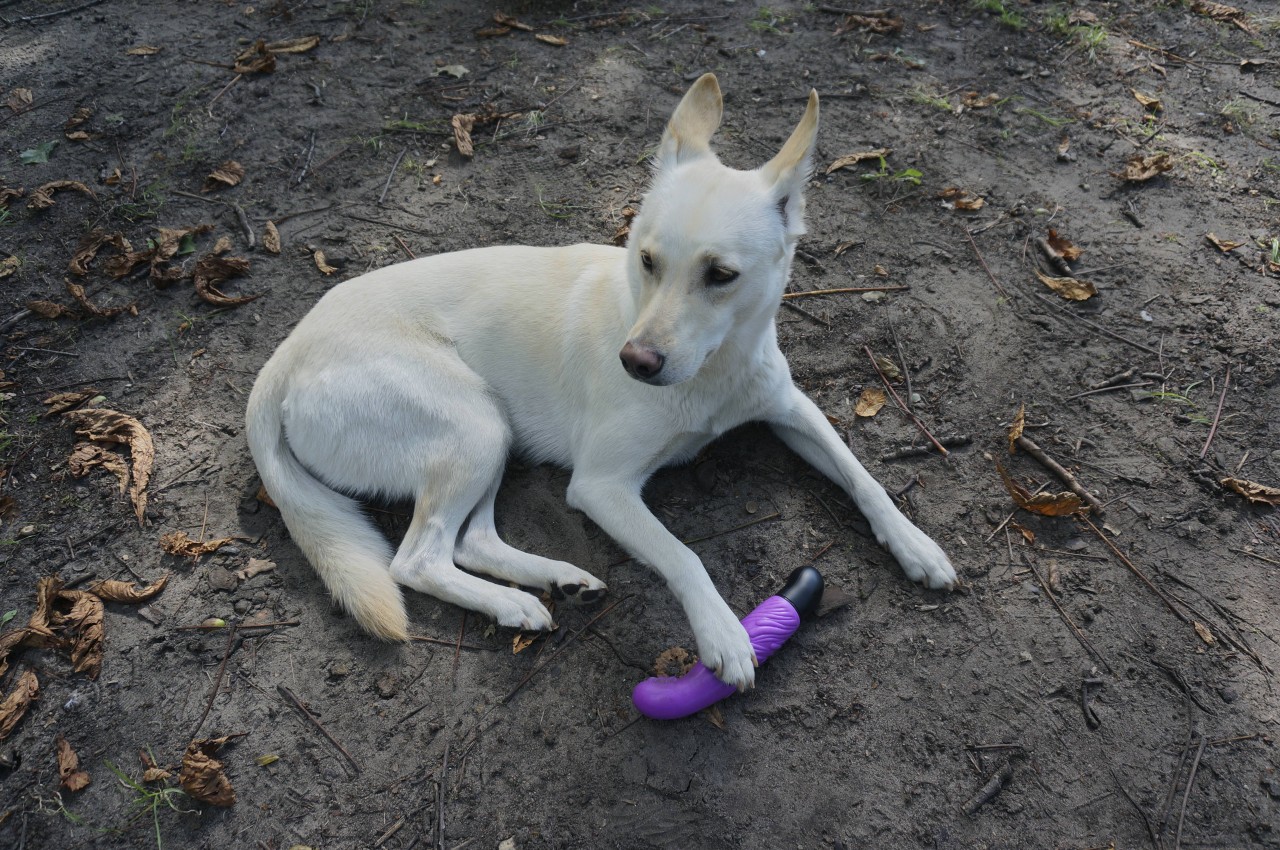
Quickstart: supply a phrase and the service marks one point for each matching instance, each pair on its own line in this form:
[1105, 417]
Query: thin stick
[69, 11]
[1099, 328]
[1066, 618]
[1109, 389]
[1029, 446]
[915, 451]
[209, 109]
[386, 186]
[1213, 429]
[787, 296]
[311, 150]
[443, 788]
[1157, 591]
[1256, 555]
[217, 682]
[905, 410]
[1191, 778]
[714, 534]
[902, 358]
[297, 703]
[403, 247]
[985, 267]
[457, 649]
[803, 312]
[568, 641]
[425, 639]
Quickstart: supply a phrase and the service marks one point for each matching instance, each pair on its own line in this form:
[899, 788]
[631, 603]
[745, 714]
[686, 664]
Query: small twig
[803, 312]
[1099, 328]
[209, 109]
[985, 267]
[916, 451]
[1029, 446]
[404, 227]
[1109, 390]
[315, 721]
[244, 223]
[1259, 99]
[902, 358]
[567, 643]
[386, 186]
[896, 398]
[787, 296]
[68, 11]
[1191, 778]
[1217, 417]
[1116, 551]
[457, 649]
[1146, 821]
[1066, 618]
[311, 150]
[442, 788]
[1272, 561]
[714, 534]
[425, 639]
[217, 682]
[993, 786]
[403, 247]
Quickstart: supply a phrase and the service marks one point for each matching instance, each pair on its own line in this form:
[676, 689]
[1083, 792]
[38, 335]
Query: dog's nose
[640, 361]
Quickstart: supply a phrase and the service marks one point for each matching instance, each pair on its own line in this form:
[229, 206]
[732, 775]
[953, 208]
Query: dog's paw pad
[570, 589]
[591, 594]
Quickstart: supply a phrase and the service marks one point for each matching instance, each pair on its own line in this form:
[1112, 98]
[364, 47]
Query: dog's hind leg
[455, 481]
[481, 549]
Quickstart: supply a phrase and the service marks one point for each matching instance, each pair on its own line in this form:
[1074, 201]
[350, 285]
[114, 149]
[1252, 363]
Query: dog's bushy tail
[349, 553]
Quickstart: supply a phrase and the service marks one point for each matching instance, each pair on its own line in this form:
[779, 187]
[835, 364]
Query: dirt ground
[1115, 706]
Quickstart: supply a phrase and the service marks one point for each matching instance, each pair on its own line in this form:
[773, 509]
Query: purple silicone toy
[769, 625]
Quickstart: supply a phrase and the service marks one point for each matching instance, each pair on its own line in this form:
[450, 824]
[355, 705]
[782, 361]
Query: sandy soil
[1152, 723]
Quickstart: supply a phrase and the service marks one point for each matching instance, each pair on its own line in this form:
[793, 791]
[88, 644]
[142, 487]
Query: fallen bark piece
[69, 772]
[110, 426]
[17, 702]
[990, 789]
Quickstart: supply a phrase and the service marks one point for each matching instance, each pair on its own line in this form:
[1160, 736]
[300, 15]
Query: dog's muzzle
[641, 362]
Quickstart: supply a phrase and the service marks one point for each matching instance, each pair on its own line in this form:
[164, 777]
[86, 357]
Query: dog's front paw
[725, 648]
[921, 559]
[519, 610]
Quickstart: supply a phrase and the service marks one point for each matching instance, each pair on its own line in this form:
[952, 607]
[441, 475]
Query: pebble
[222, 579]
[339, 669]
[243, 606]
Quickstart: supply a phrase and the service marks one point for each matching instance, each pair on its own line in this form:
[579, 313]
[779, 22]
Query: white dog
[416, 380]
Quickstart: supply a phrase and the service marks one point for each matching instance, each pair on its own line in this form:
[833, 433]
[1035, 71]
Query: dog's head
[711, 249]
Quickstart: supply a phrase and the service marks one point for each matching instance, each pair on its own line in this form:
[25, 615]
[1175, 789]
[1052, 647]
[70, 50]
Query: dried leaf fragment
[1223, 245]
[77, 292]
[301, 44]
[855, 158]
[1063, 247]
[553, 40]
[263, 496]
[85, 456]
[1068, 287]
[61, 402]
[42, 198]
[9, 265]
[84, 623]
[110, 590]
[143, 50]
[521, 641]
[1148, 101]
[674, 661]
[230, 173]
[1203, 631]
[961, 199]
[155, 774]
[463, 124]
[20, 99]
[1258, 494]
[888, 367]
[881, 24]
[322, 264]
[255, 60]
[73, 778]
[10, 641]
[87, 250]
[870, 402]
[973, 100]
[271, 237]
[202, 775]
[1015, 429]
[211, 270]
[111, 426]
[1222, 12]
[504, 20]
[24, 692]
[1140, 169]
[178, 543]
[1047, 504]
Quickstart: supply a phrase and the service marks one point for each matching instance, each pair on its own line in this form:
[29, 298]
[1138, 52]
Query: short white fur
[416, 381]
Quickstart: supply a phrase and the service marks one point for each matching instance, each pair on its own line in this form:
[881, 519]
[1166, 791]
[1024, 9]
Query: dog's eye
[646, 260]
[719, 276]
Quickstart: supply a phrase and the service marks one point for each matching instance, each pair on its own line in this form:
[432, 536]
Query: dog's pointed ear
[788, 171]
[688, 133]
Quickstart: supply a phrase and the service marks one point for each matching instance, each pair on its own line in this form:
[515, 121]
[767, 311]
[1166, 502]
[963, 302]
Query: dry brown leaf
[143, 50]
[255, 60]
[1147, 101]
[42, 198]
[1068, 287]
[202, 775]
[973, 100]
[521, 641]
[7, 194]
[271, 237]
[178, 543]
[61, 402]
[85, 456]
[110, 590]
[1140, 169]
[1222, 12]
[73, 778]
[40, 624]
[492, 32]
[1203, 631]
[553, 40]
[1223, 245]
[84, 623]
[463, 124]
[223, 245]
[77, 292]
[9, 265]
[870, 402]
[110, 426]
[888, 367]
[20, 99]
[674, 662]
[504, 20]
[855, 158]
[25, 690]
[1258, 494]
[1015, 429]
[1064, 149]
[961, 199]
[10, 641]
[881, 24]
[87, 250]
[230, 173]
[1047, 504]
[1063, 246]
[714, 716]
[265, 497]
[322, 264]
[212, 270]
[81, 115]
[8, 504]
[301, 44]
[49, 309]
[155, 774]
